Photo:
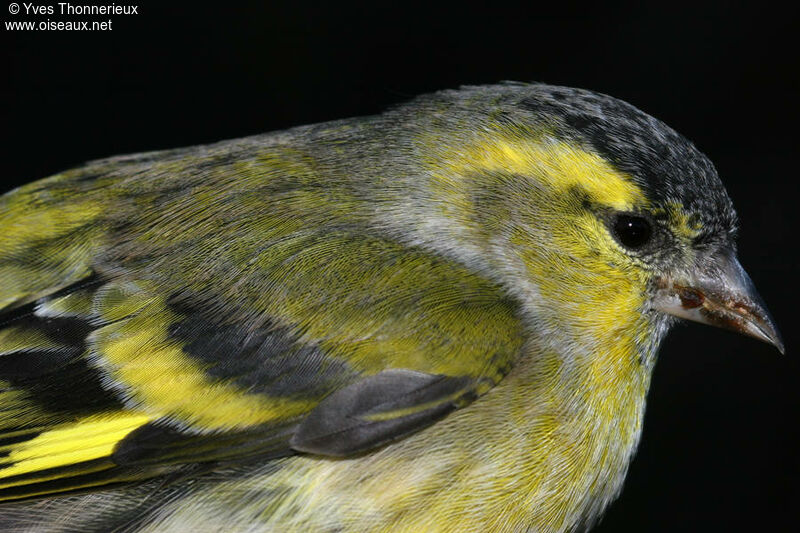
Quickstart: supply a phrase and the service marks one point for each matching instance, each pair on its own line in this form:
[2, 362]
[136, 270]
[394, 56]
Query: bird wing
[322, 340]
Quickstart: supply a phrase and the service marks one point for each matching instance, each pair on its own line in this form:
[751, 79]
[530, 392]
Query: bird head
[603, 219]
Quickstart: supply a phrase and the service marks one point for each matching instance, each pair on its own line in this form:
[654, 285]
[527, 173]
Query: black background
[719, 450]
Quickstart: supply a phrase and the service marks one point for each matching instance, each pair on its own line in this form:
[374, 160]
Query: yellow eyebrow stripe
[556, 164]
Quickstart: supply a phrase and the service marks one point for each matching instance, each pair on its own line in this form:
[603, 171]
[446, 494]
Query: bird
[444, 317]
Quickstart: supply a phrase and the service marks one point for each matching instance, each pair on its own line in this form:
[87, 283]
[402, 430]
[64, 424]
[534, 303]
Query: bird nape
[441, 318]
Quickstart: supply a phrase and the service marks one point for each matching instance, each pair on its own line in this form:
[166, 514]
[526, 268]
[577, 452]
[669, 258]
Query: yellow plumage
[443, 318]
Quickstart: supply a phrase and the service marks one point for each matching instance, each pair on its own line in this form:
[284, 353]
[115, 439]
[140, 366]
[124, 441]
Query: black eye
[632, 231]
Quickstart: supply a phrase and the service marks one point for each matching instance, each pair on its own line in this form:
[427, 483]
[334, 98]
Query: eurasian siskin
[441, 318]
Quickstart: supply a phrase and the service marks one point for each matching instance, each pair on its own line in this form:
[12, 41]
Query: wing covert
[274, 325]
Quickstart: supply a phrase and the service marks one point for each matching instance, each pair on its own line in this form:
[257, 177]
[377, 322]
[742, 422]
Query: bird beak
[720, 294]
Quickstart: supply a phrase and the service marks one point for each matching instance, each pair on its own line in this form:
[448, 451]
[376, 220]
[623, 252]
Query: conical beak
[719, 294]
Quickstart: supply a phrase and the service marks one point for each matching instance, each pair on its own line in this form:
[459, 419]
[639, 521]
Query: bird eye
[632, 231]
